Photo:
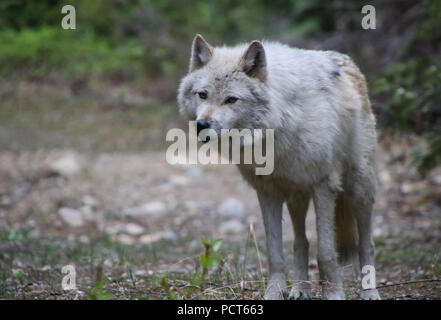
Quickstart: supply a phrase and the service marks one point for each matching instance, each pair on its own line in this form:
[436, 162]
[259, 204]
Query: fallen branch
[408, 282]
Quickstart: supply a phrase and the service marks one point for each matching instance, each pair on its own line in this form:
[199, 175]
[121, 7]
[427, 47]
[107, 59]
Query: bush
[68, 52]
[411, 89]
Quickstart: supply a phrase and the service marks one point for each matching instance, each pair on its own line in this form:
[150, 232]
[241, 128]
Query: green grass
[73, 53]
[38, 274]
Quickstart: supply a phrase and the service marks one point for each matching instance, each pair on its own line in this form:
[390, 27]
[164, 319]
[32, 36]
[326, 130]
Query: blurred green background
[110, 84]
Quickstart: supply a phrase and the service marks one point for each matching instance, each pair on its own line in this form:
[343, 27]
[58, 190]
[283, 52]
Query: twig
[408, 282]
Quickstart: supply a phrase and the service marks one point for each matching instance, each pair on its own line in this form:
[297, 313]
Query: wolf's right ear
[253, 61]
[201, 53]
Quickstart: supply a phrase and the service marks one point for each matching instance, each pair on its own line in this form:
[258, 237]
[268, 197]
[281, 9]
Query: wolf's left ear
[201, 53]
[253, 61]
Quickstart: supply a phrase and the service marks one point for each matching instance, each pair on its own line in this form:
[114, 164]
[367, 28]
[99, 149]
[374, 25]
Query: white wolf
[324, 147]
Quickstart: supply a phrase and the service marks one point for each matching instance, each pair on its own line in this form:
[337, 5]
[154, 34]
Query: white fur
[316, 101]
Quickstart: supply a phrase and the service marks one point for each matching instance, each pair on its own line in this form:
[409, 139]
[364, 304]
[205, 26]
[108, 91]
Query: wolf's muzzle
[201, 125]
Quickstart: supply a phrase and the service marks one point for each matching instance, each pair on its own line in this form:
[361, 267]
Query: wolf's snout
[201, 125]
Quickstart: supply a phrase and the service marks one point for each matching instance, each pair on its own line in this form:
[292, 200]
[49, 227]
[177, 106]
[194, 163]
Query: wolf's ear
[201, 53]
[253, 61]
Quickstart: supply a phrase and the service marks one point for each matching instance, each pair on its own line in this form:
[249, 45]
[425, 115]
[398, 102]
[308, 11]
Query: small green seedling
[99, 293]
[210, 258]
[166, 286]
[18, 274]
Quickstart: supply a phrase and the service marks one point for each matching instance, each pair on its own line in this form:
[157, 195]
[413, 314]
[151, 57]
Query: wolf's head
[225, 87]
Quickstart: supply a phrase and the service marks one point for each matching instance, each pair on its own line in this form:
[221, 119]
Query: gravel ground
[157, 213]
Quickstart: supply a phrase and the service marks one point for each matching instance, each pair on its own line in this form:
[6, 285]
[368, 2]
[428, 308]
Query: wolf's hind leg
[271, 207]
[363, 199]
[324, 202]
[298, 207]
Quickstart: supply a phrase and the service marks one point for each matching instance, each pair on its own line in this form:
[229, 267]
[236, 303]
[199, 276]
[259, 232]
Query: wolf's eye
[202, 95]
[230, 100]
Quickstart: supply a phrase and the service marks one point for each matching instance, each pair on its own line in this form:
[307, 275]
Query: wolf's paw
[301, 290]
[275, 290]
[369, 294]
[333, 294]
[299, 293]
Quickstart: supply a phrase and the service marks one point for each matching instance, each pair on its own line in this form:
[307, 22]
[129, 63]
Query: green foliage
[53, 49]
[143, 36]
[18, 274]
[411, 89]
[99, 293]
[166, 286]
[210, 258]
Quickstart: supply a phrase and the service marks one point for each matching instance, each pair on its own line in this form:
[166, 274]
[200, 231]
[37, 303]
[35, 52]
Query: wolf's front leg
[271, 207]
[324, 203]
[298, 207]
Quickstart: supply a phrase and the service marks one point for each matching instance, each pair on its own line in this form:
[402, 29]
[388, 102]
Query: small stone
[155, 237]
[71, 216]
[125, 239]
[406, 188]
[437, 179]
[385, 177]
[114, 228]
[148, 209]
[87, 213]
[46, 268]
[232, 208]
[179, 181]
[83, 239]
[140, 273]
[134, 229]
[67, 166]
[233, 226]
[90, 201]
[194, 172]
[108, 263]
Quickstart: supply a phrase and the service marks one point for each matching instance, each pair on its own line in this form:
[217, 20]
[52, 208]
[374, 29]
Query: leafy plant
[166, 286]
[99, 293]
[18, 274]
[209, 258]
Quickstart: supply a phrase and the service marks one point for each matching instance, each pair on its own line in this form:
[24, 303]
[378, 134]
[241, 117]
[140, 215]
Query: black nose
[201, 125]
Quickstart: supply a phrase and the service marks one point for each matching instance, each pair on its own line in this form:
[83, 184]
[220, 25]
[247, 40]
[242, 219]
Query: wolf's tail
[346, 233]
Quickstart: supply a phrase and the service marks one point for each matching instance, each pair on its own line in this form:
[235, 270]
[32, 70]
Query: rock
[46, 268]
[87, 213]
[90, 201]
[155, 237]
[407, 188]
[231, 226]
[148, 209]
[140, 273]
[231, 208]
[114, 228]
[385, 177]
[108, 263]
[134, 229]
[437, 179]
[125, 239]
[71, 216]
[194, 172]
[84, 239]
[67, 166]
[179, 181]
